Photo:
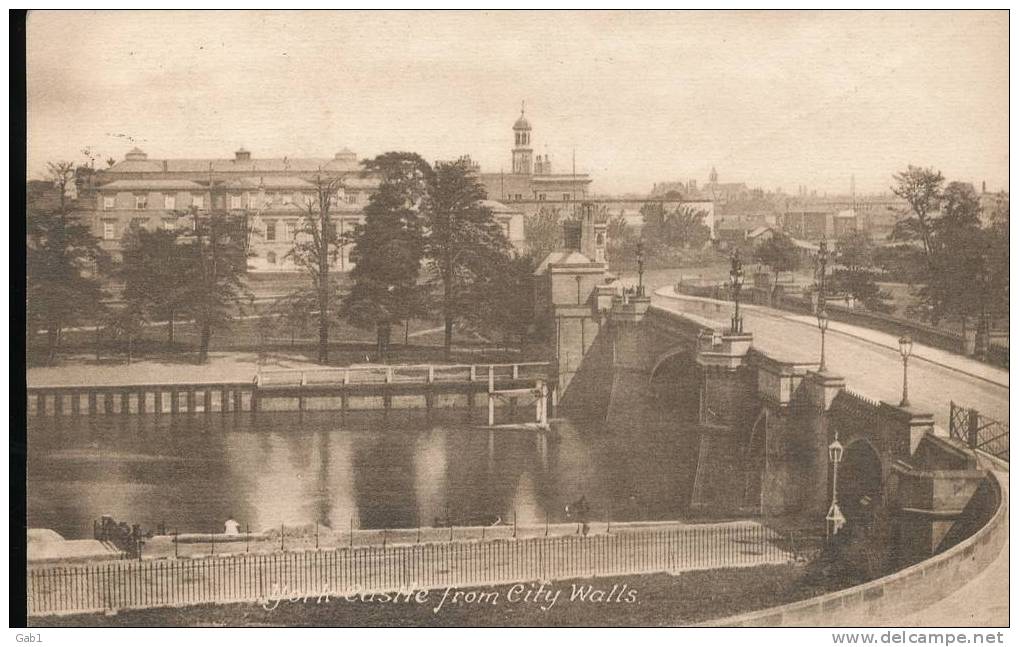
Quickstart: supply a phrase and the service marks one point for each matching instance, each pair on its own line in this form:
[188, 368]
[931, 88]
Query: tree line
[427, 246]
[956, 260]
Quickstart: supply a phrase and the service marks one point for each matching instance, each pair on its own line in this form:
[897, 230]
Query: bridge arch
[676, 352]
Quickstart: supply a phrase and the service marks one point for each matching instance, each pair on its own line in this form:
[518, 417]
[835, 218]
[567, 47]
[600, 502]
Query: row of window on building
[542, 197]
[272, 232]
[235, 200]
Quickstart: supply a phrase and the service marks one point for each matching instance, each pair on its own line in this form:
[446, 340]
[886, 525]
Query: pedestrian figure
[232, 527]
[580, 510]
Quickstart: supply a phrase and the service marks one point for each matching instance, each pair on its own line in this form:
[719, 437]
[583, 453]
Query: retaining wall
[884, 602]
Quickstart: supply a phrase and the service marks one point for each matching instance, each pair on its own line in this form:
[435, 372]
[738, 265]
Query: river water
[369, 470]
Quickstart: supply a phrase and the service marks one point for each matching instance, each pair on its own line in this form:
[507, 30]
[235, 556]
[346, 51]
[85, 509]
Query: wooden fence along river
[255, 578]
[353, 387]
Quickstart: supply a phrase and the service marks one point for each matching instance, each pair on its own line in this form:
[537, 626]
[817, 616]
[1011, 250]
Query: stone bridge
[766, 425]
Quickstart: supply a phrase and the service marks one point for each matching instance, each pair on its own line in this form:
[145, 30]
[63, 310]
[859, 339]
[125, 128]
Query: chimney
[983, 187]
[572, 235]
[166, 167]
[587, 240]
[242, 155]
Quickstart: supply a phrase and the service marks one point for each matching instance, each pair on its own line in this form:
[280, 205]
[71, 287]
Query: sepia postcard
[515, 318]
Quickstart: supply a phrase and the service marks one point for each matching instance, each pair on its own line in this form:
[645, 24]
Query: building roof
[253, 165]
[583, 178]
[562, 257]
[270, 183]
[522, 123]
[154, 184]
[497, 207]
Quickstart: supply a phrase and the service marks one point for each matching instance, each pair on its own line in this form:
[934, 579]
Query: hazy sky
[771, 99]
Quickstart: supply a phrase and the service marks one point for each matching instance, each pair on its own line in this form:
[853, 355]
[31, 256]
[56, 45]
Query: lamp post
[822, 272]
[822, 325]
[640, 267]
[905, 349]
[835, 519]
[736, 283]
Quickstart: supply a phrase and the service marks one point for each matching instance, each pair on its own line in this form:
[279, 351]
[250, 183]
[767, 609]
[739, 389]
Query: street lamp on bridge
[640, 267]
[905, 349]
[736, 283]
[822, 324]
[835, 519]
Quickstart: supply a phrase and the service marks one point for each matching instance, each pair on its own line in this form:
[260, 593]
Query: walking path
[869, 360]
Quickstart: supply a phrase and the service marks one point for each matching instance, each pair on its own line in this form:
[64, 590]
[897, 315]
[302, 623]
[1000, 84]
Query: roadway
[869, 360]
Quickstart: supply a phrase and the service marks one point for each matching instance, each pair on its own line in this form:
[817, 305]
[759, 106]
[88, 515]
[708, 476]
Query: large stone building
[273, 192]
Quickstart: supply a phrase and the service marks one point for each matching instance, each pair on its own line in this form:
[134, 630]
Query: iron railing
[978, 431]
[97, 587]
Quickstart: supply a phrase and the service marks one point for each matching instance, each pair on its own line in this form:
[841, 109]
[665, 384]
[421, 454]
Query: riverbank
[657, 600]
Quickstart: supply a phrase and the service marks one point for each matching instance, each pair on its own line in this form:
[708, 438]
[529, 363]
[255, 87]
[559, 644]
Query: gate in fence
[978, 431]
[315, 574]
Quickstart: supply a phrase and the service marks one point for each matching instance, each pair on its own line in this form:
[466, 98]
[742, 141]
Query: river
[369, 470]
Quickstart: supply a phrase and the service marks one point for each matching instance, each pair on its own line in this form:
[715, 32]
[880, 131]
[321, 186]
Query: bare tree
[316, 247]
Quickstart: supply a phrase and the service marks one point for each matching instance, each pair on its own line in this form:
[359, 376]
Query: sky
[773, 99]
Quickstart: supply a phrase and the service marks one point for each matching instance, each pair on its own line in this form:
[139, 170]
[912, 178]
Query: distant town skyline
[772, 99]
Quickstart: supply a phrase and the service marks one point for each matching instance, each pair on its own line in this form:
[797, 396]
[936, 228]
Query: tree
[126, 324]
[854, 251]
[463, 239]
[921, 189]
[388, 249]
[295, 311]
[155, 274]
[957, 269]
[543, 232]
[779, 253]
[505, 297]
[316, 247]
[681, 227]
[63, 258]
[216, 265]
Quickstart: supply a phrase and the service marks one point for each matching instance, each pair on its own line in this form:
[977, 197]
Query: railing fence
[978, 431]
[97, 587]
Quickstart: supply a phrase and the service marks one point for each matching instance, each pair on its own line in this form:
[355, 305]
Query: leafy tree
[854, 252]
[921, 189]
[904, 262]
[126, 324]
[62, 259]
[617, 229]
[681, 227]
[154, 269]
[464, 242]
[505, 297]
[294, 312]
[779, 253]
[316, 248]
[957, 269]
[388, 249]
[543, 232]
[216, 262]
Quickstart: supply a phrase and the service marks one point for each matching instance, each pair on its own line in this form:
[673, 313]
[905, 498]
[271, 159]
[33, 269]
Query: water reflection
[368, 470]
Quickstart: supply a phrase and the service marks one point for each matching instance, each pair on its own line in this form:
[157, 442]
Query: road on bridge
[869, 360]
